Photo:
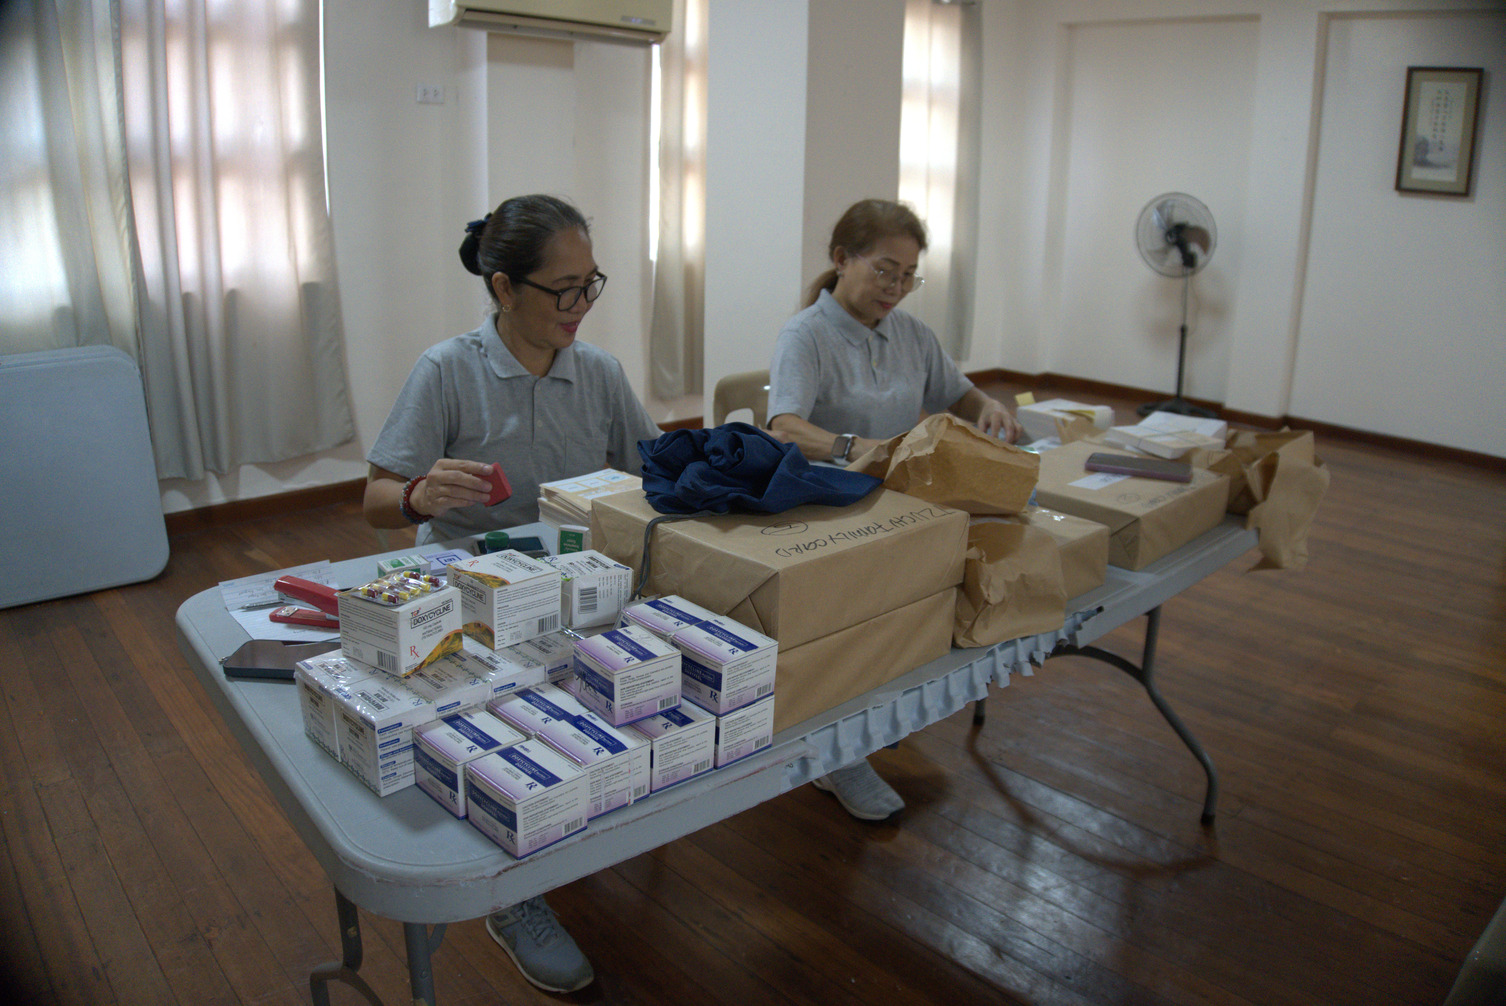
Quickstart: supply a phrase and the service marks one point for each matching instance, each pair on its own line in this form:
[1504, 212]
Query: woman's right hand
[451, 483]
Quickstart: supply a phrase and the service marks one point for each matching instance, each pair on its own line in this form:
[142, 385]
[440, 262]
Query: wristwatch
[842, 447]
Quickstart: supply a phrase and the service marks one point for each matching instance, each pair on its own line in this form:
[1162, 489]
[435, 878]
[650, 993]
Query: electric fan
[1176, 236]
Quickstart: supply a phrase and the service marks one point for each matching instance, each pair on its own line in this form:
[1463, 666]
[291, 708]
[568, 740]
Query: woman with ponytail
[851, 370]
[519, 391]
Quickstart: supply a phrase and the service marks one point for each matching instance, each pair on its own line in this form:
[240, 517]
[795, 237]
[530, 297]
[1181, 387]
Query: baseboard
[1324, 431]
[221, 514]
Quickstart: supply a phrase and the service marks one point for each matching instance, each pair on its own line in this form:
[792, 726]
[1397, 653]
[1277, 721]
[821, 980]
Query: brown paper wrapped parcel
[1146, 518]
[856, 596]
[947, 461]
[1083, 544]
[1011, 583]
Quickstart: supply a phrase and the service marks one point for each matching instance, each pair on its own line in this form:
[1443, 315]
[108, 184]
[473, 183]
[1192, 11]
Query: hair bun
[470, 250]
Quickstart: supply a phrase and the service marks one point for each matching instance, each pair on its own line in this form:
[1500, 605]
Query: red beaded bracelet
[413, 516]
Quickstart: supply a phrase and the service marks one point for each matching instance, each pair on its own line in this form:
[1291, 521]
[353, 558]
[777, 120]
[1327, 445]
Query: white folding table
[406, 858]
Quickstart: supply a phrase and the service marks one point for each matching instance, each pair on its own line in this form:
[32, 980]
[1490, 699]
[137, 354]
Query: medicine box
[451, 684]
[725, 664]
[401, 638]
[626, 674]
[533, 709]
[526, 797]
[593, 588]
[616, 762]
[555, 650]
[683, 744]
[439, 562]
[402, 564]
[744, 731]
[507, 597]
[442, 749]
[315, 678]
[377, 717]
[665, 616]
[504, 671]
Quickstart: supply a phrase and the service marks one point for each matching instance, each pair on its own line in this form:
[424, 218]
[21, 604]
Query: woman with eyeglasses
[851, 370]
[519, 392]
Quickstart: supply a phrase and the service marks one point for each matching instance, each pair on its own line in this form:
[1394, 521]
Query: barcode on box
[575, 825]
[669, 702]
[765, 689]
[700, 766]
[588, 600]
[765, 740]
[548, 623]
[386, 661]
[639, 792]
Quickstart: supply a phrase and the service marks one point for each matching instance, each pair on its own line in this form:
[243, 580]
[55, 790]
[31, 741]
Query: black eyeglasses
[568, 297]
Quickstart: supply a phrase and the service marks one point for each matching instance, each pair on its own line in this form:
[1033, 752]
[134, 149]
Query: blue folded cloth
[737, 467]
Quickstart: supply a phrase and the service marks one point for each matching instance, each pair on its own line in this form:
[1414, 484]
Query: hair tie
[477, 226]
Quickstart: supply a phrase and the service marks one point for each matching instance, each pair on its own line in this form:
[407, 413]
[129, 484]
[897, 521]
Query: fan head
[1175, 234]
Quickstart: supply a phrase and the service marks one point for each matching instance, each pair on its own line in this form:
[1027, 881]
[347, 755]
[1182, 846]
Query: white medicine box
[664, 616]
[376, 720]
[626, 674]
[526, 797]
[684, 744]
[725, 664]
[400, 638]
[317, 677]
[593, 588]
[507, 597]
[443, 748]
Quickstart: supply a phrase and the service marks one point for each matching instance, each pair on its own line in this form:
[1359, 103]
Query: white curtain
[241, 339]
[939, 160]
[678, 206]
[162, 190]
[66, 239]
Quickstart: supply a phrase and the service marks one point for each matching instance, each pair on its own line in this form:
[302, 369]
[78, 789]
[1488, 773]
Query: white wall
[1404, 312]
[1323, 275]
[1330, 297]
[755, 179]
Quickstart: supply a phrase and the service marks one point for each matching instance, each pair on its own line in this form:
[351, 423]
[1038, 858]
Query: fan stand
[1178, 404]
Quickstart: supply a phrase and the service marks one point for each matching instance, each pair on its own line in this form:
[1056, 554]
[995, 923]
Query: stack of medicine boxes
[365, 712]
[727, 676]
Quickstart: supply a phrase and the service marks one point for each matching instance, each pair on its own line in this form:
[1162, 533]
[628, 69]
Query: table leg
[350, 958]
[1145, 673]
[421, 944]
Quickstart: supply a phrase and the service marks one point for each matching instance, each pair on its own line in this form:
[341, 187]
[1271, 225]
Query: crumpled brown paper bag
[1283, 482]
[945, 460]
[1011, 584]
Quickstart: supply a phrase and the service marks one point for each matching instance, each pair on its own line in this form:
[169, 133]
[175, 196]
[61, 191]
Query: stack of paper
[568, 501]
[1168, 434]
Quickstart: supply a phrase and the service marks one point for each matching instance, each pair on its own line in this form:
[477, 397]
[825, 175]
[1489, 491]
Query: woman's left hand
[996, 420]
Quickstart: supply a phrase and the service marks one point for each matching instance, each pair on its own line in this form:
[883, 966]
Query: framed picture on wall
[1438, 130]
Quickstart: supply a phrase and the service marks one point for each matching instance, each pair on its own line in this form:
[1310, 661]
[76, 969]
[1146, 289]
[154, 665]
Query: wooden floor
[1355, 710]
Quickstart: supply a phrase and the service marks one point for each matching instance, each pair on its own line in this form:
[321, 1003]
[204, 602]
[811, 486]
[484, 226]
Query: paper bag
[1283, 483]
[944, 460]
[1011, 584]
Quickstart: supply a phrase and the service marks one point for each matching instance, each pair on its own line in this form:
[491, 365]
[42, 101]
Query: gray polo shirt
[834, 371]
[468, 398]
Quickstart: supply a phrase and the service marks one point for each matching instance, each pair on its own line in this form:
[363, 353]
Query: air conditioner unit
[641, 21]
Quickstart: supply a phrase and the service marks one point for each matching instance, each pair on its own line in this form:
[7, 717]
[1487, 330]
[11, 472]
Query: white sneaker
[540, 947]
[861, 792]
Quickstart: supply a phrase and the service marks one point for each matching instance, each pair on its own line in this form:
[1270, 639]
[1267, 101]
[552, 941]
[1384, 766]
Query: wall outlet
[429, 94]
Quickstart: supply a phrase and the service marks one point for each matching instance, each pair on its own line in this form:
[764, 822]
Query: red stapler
[322, 597]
